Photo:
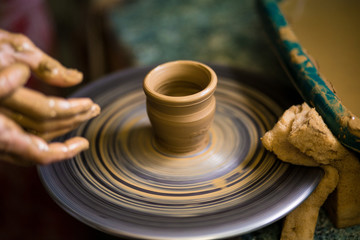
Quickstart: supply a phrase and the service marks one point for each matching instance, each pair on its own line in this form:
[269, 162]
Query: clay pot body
[181, 105]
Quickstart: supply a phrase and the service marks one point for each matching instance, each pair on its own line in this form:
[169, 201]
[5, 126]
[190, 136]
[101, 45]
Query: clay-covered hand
[29, 118]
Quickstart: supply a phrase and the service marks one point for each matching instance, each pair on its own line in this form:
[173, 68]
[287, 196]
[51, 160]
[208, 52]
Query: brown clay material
[181, 105]
[301, 137]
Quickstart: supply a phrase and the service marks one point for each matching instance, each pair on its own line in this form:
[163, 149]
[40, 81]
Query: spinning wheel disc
[124, 185]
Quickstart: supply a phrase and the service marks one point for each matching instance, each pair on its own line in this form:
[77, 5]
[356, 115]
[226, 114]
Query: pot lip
[181, 100]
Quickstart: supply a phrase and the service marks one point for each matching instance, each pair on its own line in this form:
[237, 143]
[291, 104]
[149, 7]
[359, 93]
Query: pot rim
[187, 100]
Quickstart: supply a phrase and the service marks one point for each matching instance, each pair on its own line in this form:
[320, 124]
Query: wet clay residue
[301, 137]
[353, 124]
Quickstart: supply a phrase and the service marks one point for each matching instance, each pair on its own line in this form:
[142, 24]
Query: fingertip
[58, 151]
[64, 77]
[54, 73]
[95, 109]
[73, 76]
[76, 144]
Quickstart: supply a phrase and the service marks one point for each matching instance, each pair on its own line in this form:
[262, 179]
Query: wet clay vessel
[181, 105]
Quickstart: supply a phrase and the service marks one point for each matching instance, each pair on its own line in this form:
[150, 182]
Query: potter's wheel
[124, 186]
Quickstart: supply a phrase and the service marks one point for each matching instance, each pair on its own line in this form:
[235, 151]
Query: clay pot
[181, 105]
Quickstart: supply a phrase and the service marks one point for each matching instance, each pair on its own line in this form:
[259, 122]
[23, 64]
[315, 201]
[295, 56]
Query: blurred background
[99, 37]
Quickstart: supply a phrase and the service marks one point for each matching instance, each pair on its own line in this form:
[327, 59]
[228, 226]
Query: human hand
[28, 118]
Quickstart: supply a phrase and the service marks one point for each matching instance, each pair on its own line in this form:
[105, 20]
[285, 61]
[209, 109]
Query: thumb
[12, 77]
